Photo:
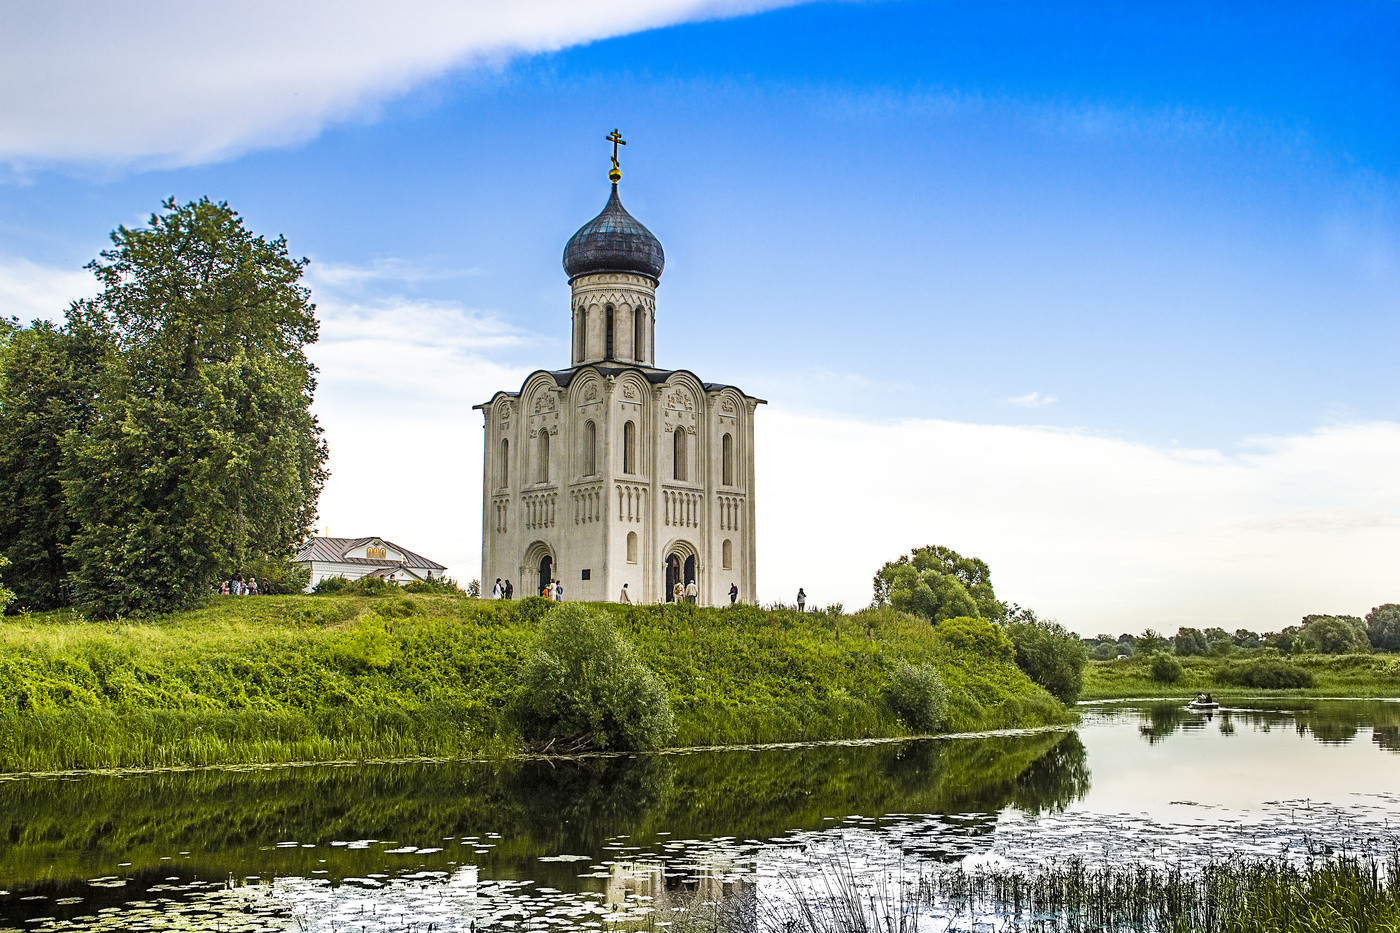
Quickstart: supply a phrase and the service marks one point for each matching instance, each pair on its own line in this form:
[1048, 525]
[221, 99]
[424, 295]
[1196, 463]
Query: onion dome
[613, 242]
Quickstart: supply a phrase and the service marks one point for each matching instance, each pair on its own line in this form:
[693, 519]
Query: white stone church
[615, 471]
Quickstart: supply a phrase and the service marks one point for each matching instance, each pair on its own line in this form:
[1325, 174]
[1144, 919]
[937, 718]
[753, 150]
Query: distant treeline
[1318, 634]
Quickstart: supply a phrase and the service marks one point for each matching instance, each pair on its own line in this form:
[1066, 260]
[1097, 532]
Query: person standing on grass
[691, 591]
[733, 593]
[558, 592]
[498, 591]
[510, 590]
[626, 597]
[801, 600]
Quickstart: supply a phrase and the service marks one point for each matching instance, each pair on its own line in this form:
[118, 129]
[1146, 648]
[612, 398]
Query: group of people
[239, 587]
[554, 590]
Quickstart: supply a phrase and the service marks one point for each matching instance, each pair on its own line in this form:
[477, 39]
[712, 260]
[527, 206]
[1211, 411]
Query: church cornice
[562, 378]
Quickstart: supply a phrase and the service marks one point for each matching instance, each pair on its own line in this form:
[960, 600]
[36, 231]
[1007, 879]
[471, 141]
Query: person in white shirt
[496, 591]
[691, 591]
[626, 597]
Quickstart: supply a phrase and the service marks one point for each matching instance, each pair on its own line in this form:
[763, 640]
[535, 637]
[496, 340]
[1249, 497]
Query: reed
[1352, 894]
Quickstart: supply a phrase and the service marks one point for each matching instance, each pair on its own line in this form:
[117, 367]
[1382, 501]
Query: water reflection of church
[614, 471]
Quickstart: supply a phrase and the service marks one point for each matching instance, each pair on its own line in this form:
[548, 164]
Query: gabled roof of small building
[333, 550]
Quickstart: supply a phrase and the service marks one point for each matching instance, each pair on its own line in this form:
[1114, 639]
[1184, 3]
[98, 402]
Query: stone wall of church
[615, 474]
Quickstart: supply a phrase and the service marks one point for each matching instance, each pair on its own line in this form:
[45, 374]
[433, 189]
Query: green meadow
[1327, 675]
[331, 678]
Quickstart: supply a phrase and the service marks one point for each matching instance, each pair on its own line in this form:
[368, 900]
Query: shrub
[364, 586]
[1166, 669]
[584, 685]
[330, 586]
[1050, 655]
[917, 696]
[1264, 674]
[278, 577]
[968, 633]
[445, 585]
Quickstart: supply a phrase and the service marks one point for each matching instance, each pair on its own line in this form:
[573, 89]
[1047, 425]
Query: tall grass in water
[1267, 896]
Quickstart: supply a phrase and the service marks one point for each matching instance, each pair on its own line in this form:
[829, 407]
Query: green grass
[314, 678]
[1335, 675]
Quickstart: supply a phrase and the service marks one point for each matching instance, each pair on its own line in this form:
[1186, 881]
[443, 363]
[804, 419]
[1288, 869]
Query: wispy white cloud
[345, 277]
[1032, 400]
[1103, 533]
[29, 290]
[169, 83]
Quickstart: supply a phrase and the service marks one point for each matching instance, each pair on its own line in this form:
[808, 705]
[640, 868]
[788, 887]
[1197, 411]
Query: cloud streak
[168, 83]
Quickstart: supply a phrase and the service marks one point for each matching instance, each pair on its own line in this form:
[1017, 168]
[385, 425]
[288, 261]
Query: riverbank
[1332, 675]
[318, 678]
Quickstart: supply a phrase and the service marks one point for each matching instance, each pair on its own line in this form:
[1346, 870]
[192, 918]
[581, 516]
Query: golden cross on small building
[616, 139]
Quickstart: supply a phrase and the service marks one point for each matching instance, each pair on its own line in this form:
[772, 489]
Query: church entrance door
[678, 571]
[546, 573]
[673, 573]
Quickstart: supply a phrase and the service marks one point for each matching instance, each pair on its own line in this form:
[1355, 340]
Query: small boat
[1203, 703]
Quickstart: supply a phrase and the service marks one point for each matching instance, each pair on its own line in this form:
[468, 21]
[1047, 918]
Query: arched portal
[546, 572]
[682, 567]
[538, 566]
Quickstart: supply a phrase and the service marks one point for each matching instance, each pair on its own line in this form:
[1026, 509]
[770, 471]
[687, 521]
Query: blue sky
[1105, 294]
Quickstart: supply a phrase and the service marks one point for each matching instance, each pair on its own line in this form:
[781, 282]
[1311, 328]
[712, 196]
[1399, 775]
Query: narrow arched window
[639, 315]
[726, 460]
[631, 547]
[678, 454]
[629, 448]
[505, 462]
[726, 554]
[590, 448]
[608, 334]
[580, 329]
[543, 472]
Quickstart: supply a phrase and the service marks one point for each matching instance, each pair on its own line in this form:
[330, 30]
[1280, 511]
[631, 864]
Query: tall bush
[917, 696]
[584, 685]
[1050, 655]
[1264, 674]
[1165, 669]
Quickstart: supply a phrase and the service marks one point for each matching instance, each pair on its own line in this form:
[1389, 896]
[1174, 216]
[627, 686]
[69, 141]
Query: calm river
[590, 844]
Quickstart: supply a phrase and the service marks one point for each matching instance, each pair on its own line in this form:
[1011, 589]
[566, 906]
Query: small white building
[353, 558]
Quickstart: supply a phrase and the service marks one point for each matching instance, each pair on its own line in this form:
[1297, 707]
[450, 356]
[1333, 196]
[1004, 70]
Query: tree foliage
[1333, 634]
[1383, 627]
[584, 685]
[48, 379]
[1048, 653]
[202, 452]
[938, 583]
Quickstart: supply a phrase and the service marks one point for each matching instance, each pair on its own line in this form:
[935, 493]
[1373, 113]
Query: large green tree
[1383, 627]
[938, 583]
[1333, 634]
[47, 389]
[202, 452]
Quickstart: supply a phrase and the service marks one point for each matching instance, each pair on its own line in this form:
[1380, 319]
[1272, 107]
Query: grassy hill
[321, 678]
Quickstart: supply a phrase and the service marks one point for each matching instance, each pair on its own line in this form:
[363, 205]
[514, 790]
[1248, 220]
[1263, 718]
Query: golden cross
[616, 139]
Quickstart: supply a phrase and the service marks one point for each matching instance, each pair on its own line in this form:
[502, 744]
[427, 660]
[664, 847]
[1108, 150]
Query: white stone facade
[614, 471]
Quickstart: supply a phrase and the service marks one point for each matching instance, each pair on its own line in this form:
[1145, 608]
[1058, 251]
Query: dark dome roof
[613, 242]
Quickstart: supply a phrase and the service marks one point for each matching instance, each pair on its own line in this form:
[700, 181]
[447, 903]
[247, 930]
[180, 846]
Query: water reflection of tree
[228, 820]
[1054, 780]
[1332, 722]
